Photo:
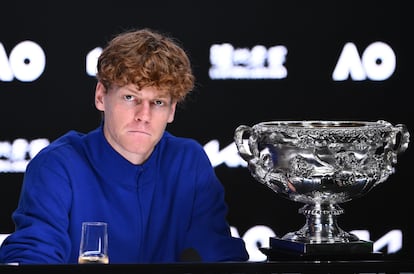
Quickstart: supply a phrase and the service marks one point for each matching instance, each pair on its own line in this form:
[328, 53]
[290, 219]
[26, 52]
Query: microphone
[190, 255]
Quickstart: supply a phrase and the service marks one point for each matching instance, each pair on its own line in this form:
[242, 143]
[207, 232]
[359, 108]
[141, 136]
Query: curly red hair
[146, 58]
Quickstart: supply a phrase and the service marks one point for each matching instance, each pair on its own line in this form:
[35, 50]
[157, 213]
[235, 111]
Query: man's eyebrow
[132, 90]
[163, 96]
[160, 95]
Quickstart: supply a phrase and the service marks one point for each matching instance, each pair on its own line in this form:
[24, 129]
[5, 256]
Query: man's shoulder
[70, 137]
[62, 145]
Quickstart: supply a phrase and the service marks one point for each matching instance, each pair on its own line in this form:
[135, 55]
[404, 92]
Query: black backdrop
[314, 33]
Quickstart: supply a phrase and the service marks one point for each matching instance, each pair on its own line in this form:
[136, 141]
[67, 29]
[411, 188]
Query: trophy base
[287, 249]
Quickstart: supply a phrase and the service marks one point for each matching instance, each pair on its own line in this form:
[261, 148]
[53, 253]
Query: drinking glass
[94, 243]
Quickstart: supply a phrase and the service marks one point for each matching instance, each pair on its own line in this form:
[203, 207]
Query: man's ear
[100, 92]
[172, 111]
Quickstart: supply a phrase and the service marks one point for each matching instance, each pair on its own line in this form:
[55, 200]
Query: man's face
[134, 120]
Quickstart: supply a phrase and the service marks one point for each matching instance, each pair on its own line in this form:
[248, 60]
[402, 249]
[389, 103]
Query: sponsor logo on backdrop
[92, 60]
[377, 63]
[258, 62]
[26, 62]
[15, 155]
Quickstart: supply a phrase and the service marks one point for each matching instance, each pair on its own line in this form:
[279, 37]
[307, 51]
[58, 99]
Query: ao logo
[377, 63]
[26, 62]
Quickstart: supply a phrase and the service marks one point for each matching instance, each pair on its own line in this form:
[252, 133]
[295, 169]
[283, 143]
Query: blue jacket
[154, 211]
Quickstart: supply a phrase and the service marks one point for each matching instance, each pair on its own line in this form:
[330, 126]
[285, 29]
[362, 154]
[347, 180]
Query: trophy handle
[240, 141]
[260, 166]
[402, 138]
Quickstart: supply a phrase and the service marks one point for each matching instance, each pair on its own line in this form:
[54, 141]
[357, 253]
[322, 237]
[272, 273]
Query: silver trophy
[321, 164]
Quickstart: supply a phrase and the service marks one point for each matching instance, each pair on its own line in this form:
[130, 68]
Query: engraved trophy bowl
[321, 164]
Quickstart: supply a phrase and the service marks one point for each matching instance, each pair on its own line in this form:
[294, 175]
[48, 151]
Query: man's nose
[143, 111]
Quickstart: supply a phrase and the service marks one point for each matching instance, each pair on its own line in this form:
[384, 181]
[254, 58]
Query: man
[157, 192]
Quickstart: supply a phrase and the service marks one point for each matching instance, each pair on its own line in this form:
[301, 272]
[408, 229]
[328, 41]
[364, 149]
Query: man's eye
[128, 97]
[158, 103]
